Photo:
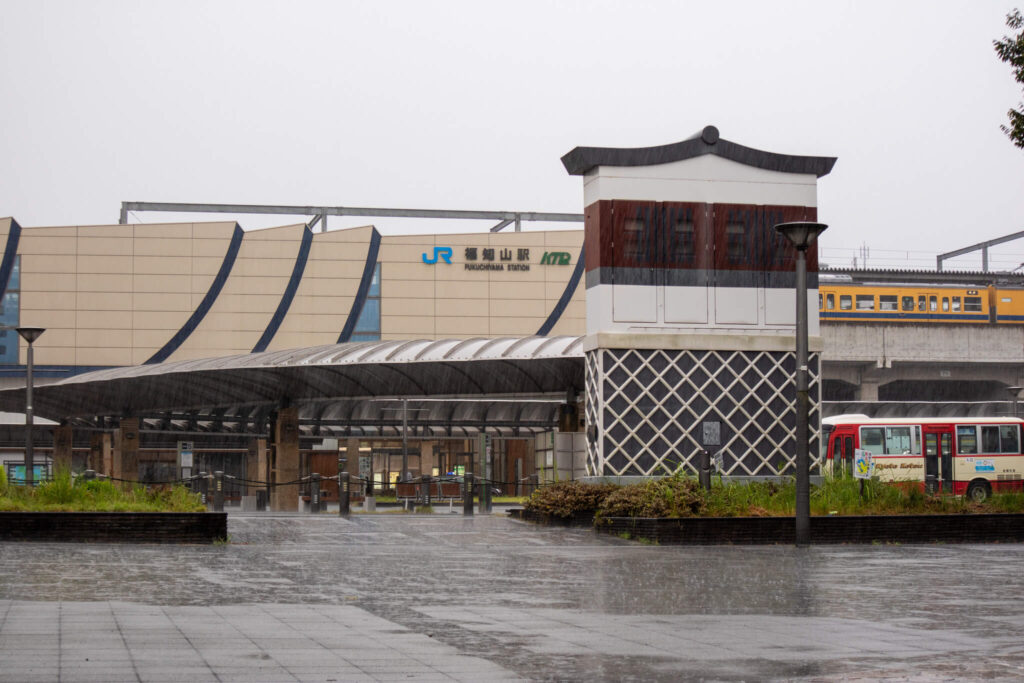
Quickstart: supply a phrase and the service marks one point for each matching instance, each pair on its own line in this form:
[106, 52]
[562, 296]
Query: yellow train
[929, 303]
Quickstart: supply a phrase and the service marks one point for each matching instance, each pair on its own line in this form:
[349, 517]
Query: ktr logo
[555, 258]
[443, 252]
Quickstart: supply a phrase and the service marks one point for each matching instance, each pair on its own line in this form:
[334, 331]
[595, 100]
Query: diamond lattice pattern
[650, 405]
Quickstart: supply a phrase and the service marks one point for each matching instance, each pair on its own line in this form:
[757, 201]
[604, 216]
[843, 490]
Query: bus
[972, 456]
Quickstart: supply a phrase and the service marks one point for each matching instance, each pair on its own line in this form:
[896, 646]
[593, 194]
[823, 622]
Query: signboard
[863, 464]
[712, 433]
[185, 459]
[364, 466]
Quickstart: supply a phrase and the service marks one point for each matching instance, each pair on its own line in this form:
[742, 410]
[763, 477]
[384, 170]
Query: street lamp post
[29, 334]
[802, 236]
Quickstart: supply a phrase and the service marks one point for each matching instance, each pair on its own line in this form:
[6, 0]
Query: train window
[908, 303]
[920, 302]
[945, 304]
[887, 303]
[956, 304]
[865, 302]
[845, 302]
[972, 304]
[1008, 438]
[966, 439]
[821, 302]
[830, 301]
[933, 303]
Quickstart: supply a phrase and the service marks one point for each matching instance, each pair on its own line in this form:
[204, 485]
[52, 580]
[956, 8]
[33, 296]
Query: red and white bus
[968, 456]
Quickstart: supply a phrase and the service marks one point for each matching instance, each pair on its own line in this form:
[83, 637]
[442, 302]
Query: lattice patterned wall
[649, 405]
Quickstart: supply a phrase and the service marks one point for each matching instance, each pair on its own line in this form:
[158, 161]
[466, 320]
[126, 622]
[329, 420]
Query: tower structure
[690, 304]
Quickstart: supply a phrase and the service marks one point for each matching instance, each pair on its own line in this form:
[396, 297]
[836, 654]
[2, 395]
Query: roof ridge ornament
[581, 160]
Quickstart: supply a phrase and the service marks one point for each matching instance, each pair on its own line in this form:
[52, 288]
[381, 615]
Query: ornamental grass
[62, 493]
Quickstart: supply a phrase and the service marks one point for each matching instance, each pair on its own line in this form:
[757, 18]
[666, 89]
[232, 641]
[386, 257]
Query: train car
[850, 302]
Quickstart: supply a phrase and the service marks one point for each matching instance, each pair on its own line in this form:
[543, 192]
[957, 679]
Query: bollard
[467, 495]
[931, 484]
[218, 491]
[425, 489]
[314, 493]
[343, 484]
[369, 503]
[202, 487]
[705, 469]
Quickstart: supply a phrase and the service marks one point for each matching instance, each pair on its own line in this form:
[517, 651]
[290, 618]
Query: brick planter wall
[973, 528]
[114, 527]
[824, 530]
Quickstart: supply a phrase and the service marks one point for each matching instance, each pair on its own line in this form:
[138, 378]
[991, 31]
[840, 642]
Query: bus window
[956, 304]
[990, 439]
[845, 302]
[897, 440]
[865, 302]
[966, 440]
[887, 303]
[920, 302]
[830, 301]
[1009, 440]
[933, 303]
[972, 304]
[908, 303]
[873, 439]
[945, 304]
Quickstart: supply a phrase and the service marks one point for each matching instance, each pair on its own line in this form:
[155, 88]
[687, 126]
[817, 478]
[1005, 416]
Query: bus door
[844, 444]
[938, 455]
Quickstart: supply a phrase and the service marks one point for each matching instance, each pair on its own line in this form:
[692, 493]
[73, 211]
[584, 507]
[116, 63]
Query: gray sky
[470, 105]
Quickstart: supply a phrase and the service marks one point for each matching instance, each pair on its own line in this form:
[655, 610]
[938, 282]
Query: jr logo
[444, 252]
[555, 258]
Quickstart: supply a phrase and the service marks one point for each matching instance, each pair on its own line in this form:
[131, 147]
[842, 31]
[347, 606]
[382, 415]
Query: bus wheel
[978, 491]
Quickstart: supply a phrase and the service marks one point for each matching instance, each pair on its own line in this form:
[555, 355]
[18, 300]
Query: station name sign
[490, 258]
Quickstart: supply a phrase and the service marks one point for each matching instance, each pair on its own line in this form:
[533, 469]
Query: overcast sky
[470, 105]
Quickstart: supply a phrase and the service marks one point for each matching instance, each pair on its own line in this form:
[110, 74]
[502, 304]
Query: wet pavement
[441, 597]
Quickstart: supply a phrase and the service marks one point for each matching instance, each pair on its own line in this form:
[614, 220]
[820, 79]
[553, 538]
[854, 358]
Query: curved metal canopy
[511, 367]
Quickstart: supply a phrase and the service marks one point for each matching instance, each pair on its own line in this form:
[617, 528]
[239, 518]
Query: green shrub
[675, 496]
[567, 498]
[3, 480]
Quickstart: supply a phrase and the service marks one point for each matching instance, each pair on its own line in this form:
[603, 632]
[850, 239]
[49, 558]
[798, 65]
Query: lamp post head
[800, 233]
[30, 334]
[1014, 391]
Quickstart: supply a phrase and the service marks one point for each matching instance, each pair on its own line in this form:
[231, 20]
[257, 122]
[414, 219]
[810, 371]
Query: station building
[134, 295]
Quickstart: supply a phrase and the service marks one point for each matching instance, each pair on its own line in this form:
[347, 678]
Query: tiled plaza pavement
[403, 597]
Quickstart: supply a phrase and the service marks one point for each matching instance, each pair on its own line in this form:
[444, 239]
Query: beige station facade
[117, 295]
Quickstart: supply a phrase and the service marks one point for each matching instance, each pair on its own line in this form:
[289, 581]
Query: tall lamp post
[29, 334]
[802, 236]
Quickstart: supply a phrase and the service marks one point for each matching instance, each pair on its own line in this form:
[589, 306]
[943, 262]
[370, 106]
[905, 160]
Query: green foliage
[1011, 50]
[567, 498]
[63, 494]
[3, 480]
[681, 496]
[675, 496]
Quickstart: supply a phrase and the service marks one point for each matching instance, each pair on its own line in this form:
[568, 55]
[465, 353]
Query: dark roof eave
[581, 159]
